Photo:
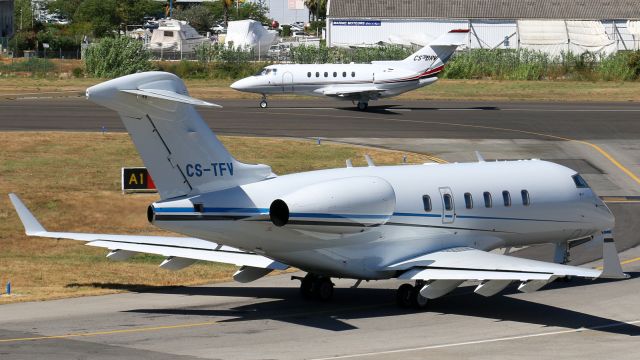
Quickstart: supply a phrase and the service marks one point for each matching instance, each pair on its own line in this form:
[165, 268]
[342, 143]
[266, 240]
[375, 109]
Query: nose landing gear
[263, 102]
[315, 287]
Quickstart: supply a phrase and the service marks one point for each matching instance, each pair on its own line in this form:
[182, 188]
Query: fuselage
[345, 81]
[435, 206]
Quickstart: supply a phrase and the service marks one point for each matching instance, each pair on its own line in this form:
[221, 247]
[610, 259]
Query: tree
[200, 17]
[317, 9]
[113, 57]
[23, 15]
[106, 16]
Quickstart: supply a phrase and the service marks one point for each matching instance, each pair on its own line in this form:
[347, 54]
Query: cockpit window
[264, 71]
[579, 181]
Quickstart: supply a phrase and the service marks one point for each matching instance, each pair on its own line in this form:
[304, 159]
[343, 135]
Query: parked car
[300, 34]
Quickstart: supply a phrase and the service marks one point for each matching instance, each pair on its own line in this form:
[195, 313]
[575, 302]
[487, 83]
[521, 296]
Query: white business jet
[432, 224]
[356, 82]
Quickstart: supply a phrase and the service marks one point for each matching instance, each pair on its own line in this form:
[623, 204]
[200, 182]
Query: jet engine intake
[347, 205]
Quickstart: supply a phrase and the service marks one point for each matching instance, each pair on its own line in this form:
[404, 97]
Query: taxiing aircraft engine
[342, 206]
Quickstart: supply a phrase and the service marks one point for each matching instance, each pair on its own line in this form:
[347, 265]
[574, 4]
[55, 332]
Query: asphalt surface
[267, 319]
[388, 119]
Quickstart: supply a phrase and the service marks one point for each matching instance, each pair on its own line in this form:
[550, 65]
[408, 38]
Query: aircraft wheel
[404, 296]
[306, 286]
[419, 301]
[324, 289]
[264, 104]
[362, 106]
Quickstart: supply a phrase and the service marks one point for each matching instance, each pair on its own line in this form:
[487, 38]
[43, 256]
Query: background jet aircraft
[356, 82]
[432, 224]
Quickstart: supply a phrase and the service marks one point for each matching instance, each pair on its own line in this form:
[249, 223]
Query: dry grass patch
[444, 89]
[71, 182]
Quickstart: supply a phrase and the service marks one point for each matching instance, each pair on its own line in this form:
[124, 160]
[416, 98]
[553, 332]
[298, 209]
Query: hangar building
[552, 26]
[6, 19]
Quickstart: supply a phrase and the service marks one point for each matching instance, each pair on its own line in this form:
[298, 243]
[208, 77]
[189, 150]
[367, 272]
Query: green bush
[77, 72]
[117, 57]
[534, 65]
[304, 54]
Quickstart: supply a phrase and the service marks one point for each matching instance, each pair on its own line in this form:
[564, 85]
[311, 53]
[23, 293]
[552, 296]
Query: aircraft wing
[370, 92]
[465, 263]
[171, 247]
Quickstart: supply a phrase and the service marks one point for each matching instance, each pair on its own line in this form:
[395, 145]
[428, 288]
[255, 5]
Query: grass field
[481, 90]
[71, 182]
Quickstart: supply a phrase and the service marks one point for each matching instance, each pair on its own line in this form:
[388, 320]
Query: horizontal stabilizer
[170, 96]
[452, 38]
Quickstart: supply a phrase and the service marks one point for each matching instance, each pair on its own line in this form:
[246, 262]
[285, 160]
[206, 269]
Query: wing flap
[456, 274]
[350, 92]
[237, 257]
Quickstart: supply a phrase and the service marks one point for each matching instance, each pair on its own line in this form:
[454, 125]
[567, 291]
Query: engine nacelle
[342, 206]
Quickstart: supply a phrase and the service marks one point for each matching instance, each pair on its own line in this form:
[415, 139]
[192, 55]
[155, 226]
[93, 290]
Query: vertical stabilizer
[181, 152]
[431, 58]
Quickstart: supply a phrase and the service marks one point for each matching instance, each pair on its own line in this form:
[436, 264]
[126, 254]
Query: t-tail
[431, 59]
[183, 155]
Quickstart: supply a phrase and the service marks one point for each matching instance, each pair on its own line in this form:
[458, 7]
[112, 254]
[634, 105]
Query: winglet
[31, 225]
[611, 268]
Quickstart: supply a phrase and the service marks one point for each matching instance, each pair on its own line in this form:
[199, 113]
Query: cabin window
[579, 181]
[506, 198]
[168, 34]
[468, 201]
[426, 203]
[326, 74]
[335, 74]
[526, 201]
[353, 74]
[448, 202]
[309, 74]
[344, 74]
[487, 199]
[317, 74]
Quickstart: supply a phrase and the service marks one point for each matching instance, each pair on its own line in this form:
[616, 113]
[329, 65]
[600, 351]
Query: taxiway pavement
[268, 320]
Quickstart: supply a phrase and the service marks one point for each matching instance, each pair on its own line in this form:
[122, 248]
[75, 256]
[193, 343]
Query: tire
[324, 289]
[404, 296]
[418, 301]
[362, 106]
[306, 287]
[263, 104]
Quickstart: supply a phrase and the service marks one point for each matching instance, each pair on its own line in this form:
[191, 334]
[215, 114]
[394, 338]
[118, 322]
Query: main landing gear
[408, 296]
[315, 287]
[263, 102]
[363, 105]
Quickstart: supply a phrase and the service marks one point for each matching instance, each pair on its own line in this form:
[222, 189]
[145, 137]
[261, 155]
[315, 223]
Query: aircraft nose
[605, 216]
[240, 85]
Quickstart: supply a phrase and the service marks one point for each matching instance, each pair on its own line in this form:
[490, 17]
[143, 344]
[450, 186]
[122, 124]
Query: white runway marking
[572, 110]
[476, 342]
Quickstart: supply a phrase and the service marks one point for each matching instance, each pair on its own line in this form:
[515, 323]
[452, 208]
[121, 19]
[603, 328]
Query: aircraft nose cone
[239, 85]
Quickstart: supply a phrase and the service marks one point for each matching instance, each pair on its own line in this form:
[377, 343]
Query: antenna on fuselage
[349, 164]
[479, 156]
[370, 162]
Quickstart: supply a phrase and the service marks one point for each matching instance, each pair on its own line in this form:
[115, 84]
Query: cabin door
[287, 82]
[448, 206]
